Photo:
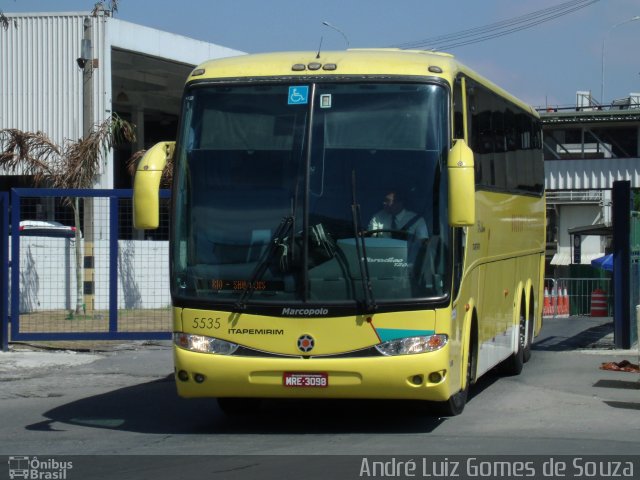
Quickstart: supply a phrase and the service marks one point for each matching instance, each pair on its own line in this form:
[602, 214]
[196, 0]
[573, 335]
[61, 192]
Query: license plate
[305, 380]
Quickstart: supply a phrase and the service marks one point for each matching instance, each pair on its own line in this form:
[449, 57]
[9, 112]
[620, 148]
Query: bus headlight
[202, 344]
[413, 345]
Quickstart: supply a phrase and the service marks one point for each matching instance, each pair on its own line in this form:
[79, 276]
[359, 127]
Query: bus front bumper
[423, 376]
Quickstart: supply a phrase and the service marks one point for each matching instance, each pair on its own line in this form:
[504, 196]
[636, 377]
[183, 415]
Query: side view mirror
[462, 205]
[146, 185]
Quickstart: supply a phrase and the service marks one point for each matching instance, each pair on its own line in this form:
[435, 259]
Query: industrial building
[587, 148]
[62, 74]
[139, 73]
[61, 71]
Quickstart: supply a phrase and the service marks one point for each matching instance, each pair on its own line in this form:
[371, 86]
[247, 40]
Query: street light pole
[632, 19]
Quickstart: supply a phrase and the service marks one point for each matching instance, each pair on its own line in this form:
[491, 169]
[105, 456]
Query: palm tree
[74, 165]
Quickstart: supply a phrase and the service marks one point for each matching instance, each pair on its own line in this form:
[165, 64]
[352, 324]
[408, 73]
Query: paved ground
[120, 399]
[576, 333]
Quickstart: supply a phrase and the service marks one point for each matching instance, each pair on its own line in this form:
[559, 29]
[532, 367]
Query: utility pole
[87, 288]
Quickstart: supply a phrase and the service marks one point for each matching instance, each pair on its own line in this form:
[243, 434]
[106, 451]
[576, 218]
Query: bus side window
[458, 119]
[460, 238]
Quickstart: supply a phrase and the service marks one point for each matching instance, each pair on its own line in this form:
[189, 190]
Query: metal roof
[590, 116]
[598, 229]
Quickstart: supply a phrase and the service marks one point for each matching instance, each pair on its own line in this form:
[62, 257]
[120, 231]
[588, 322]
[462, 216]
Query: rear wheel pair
[513, 365]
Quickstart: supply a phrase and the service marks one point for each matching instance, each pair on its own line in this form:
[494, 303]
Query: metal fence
[112, 283]
[578, 296]
[4, 273]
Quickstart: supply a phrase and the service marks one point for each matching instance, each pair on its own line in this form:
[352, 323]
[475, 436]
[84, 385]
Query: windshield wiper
[361, 250]
[263, 263]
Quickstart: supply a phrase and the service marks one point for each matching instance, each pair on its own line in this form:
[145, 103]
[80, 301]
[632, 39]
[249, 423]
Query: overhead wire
[494, 26]
[498, 29]
[546, 14]
[513, 30]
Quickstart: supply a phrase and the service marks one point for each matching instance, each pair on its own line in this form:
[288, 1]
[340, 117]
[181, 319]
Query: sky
[544, 65]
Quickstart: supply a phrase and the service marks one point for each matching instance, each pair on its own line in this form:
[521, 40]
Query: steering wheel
[404, 234]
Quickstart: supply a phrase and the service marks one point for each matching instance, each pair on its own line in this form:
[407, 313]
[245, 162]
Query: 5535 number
[206, 322]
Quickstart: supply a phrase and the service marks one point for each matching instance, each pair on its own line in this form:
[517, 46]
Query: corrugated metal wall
[40, 81]
[41, 85]
[590, 174]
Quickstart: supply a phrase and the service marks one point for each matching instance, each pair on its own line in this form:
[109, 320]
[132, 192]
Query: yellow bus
[353, 224]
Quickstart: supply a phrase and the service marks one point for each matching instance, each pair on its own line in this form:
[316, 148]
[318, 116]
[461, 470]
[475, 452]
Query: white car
[37, 228]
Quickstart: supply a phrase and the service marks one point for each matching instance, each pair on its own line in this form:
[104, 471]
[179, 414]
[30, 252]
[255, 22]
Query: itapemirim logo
[36, 469]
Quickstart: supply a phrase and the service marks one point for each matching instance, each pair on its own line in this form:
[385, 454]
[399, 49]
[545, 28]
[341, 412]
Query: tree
[74, 165]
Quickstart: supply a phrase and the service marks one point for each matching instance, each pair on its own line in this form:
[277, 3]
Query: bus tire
[526, 354]
[233, 406]
[513, 365]
[456, 403]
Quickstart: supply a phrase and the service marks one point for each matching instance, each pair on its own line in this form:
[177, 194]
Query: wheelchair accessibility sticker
[298, 95]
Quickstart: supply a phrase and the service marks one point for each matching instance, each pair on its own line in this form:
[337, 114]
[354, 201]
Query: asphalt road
[123, 402]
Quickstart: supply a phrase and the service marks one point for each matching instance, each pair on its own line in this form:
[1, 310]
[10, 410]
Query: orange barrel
[598, 303]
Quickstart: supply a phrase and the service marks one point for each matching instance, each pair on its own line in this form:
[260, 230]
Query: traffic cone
[547, 310]
[560, 308]
[563, 302]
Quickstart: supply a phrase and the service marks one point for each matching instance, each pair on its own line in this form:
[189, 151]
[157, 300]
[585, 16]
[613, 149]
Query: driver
[395, 218]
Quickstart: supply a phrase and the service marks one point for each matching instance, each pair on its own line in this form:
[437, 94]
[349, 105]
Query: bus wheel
[456, 403]
[239, 406]
[526, 354]
[513, 364]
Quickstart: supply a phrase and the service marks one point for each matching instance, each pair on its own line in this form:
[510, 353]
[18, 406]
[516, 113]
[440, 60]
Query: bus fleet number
[210, 323]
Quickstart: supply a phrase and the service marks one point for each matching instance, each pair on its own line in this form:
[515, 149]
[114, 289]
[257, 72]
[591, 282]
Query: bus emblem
[306, 343]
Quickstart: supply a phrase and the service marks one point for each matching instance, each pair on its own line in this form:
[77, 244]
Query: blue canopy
[606, 262]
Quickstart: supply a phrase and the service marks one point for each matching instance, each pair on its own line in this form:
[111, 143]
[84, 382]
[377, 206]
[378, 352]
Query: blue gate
[106, 283]
[4, 273]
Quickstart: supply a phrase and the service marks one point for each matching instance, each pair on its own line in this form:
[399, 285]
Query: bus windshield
[315, 193]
